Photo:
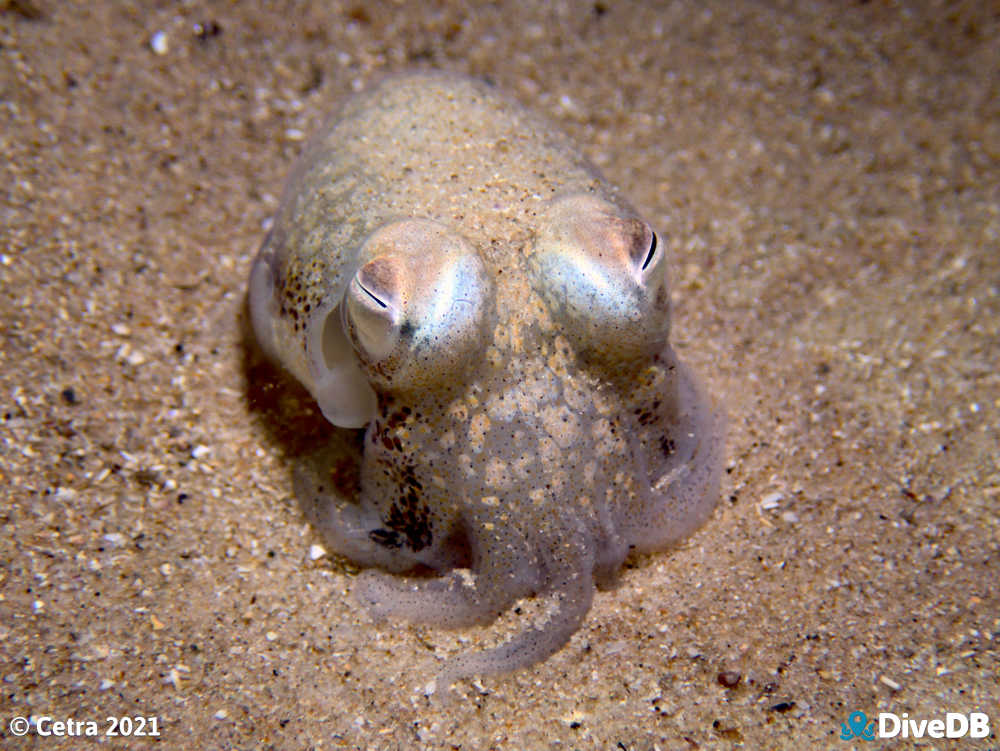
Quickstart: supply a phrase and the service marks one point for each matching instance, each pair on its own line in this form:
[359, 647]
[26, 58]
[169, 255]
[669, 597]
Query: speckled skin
[447, 271]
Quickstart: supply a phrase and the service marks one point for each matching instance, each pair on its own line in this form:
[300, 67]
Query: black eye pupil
[373, 297]
[649, 255]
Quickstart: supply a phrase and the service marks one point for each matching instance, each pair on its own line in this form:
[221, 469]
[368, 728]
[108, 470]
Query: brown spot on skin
[411, 518]
[667, 445]
[645, 416]
[398, 419]
[388, 538]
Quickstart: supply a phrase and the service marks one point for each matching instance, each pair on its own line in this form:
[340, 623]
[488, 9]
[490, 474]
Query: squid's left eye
[650, 254]
[601, 270]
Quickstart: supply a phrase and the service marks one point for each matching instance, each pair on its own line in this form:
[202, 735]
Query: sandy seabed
[826, 176]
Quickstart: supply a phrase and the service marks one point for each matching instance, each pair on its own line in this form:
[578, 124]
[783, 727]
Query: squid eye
[415, 308]
[375, 305]
[650, 253]
[600, 270]
[372, 295]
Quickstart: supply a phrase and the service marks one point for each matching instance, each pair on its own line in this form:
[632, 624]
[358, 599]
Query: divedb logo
[891, 725]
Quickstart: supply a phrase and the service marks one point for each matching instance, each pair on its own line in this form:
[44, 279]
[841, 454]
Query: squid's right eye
[415, 309]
